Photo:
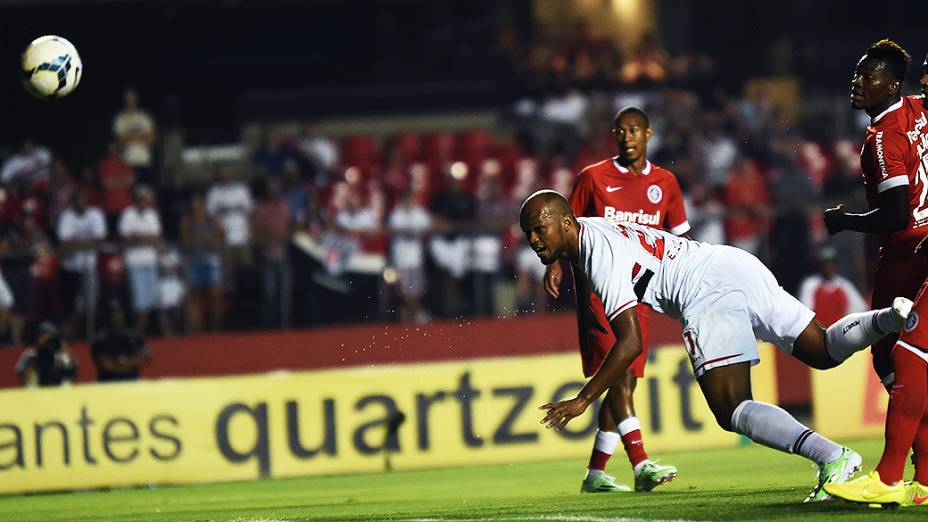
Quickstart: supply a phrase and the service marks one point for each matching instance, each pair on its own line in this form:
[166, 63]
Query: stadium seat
[409, 146]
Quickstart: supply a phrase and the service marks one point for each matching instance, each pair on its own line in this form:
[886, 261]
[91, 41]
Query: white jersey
[724, 297]
[629, 263]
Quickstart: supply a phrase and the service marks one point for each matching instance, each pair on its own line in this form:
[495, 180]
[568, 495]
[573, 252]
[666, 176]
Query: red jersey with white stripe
[628, 263]
[609, 190]
[895, 153]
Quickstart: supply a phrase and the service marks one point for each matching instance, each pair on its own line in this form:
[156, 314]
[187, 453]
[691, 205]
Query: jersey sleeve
[890, 148]
[581, 197]
[675, 221]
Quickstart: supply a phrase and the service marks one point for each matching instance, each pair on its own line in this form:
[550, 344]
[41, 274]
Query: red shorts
[897, 275]
[600, 343]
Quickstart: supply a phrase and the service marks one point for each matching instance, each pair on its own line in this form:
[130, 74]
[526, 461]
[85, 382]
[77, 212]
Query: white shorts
[739, 302]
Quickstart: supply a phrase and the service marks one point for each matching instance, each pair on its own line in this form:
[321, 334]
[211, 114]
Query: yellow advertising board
[849, 401]
[326, 422]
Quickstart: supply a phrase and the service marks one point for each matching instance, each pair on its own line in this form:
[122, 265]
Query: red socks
[630, 430]
[607, 441]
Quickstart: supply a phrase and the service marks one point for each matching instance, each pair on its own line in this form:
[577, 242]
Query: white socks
[773, 427]
[627, 426]
[606, 442]
[854, 332]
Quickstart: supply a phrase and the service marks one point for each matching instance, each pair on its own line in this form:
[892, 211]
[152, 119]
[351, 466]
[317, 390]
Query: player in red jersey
[625, 188]
[895, 166]
[907, 416]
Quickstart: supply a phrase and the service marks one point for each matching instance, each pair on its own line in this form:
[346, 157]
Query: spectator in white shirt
[229, 201]
[140, 232]
[32, 164]
[408, 223]
[81, 229]
[135, 131]
[320, 152]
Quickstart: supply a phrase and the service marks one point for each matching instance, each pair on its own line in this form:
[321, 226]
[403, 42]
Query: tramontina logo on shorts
[655, 194]
[911, 322]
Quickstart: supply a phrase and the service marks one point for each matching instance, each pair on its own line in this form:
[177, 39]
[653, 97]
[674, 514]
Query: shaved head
[551, 200]
[549, 226]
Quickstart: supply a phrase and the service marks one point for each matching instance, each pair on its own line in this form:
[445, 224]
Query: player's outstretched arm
[627, 331]
[922, 248]
[892, 215]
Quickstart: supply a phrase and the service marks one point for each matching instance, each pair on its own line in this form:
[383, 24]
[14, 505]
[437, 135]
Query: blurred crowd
[312, 229]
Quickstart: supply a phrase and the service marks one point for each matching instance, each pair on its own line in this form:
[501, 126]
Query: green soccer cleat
[652, 475]
[916, 494]
[835, 472]
[603, 483]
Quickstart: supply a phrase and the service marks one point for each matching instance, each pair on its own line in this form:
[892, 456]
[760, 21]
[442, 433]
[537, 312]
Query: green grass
[749, 483]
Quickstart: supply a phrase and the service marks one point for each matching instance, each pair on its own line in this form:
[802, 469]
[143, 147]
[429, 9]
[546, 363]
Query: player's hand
[553, 277]
[558, 415]
[834, 219]
[922, 249]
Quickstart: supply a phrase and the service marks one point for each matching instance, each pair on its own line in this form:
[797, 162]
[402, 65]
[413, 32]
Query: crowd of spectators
[407, 227]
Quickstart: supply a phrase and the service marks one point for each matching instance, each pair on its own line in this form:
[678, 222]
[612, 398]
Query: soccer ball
[51, 67]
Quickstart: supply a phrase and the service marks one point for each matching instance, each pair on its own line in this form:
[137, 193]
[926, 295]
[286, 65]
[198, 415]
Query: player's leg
[728, 391]
[780, 318]
[896, 275]
[908, 399]
[604, 445]
[595, 344]
[916, 493]
[907, 403]
[823, 348]
[648, 473]
[722, 347]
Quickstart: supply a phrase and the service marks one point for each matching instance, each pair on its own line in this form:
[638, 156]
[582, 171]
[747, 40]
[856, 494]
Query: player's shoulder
[915, 103]
[600, 167]
[662, 173]
[898, 118]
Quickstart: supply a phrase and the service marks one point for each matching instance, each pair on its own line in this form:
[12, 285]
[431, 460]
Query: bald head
[545, 200]
[549, 226]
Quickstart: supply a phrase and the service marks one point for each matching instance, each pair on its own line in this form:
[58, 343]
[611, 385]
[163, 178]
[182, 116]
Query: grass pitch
[749, 483]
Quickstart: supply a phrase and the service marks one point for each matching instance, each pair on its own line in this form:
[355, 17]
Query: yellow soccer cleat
[868, 489]
[916, 494]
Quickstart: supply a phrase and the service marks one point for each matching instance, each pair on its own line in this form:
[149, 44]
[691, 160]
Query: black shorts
[71, 286]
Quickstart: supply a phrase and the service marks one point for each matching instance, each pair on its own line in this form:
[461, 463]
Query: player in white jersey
[725, 298]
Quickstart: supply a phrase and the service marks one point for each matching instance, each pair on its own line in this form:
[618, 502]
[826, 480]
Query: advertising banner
[849, 401]
[336, 421]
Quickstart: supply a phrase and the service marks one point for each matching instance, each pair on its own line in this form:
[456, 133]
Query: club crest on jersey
[655, 194]
[911, 322]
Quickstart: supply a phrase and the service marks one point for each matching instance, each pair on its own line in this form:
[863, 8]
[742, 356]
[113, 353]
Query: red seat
[409, 146]
[361, 149]
[474, 142]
